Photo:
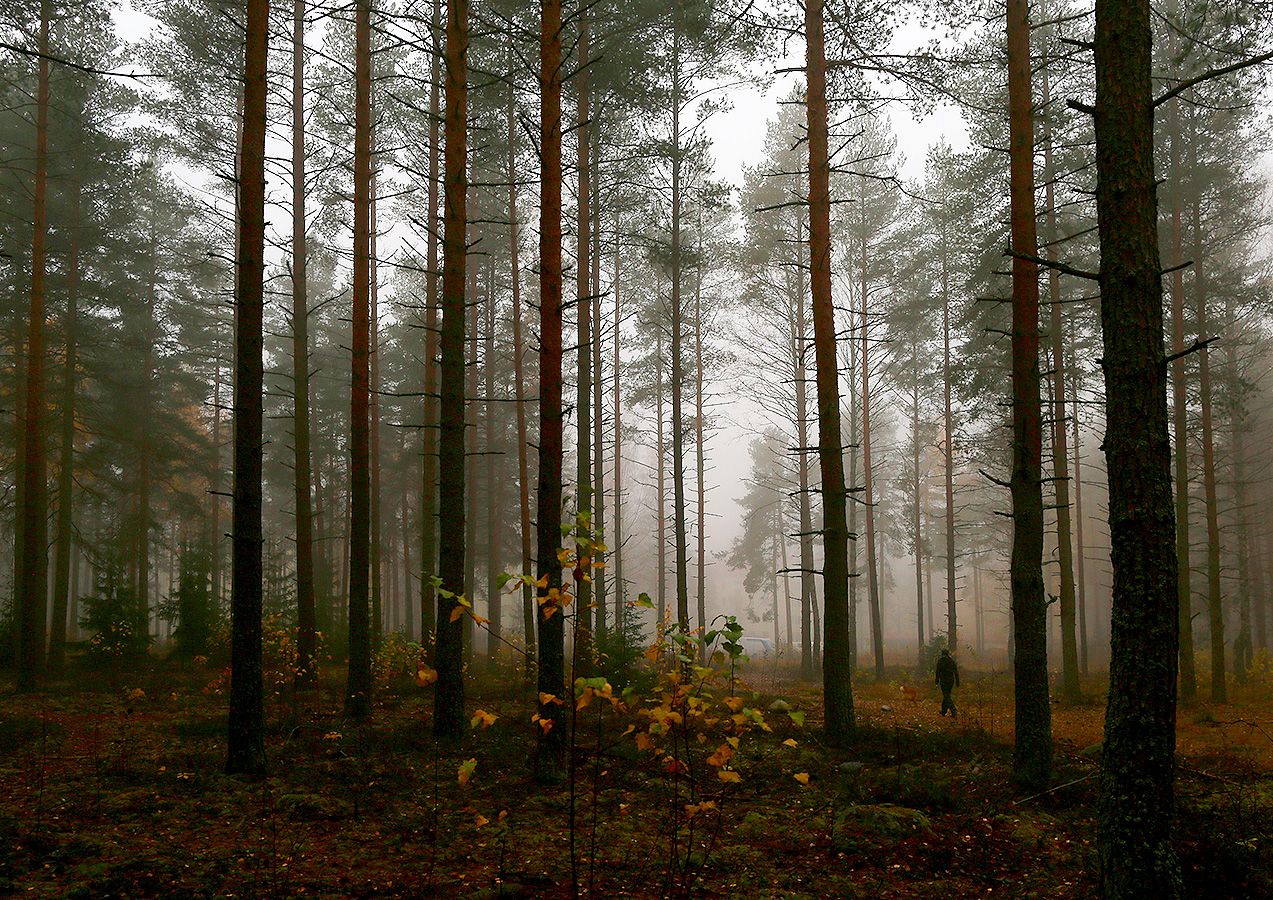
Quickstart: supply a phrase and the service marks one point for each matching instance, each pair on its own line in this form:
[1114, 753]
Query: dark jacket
[947, 673]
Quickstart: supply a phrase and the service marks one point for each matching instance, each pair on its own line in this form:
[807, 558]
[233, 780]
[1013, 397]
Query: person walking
[947, 680]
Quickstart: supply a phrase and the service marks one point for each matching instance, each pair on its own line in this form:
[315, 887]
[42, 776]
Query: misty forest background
[691, 416]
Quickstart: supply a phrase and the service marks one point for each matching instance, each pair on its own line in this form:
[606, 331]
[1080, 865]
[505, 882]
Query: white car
[759, 649]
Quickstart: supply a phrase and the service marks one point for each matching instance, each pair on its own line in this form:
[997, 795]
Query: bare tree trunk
[1180, 417]
[549, 755]
[519, 380]
[836, 673]
[616, 543]
[872, 566]
[915, 523]
[494, 606]
[429, 451]
[1032, 757]
[1078, 540]
[358, 683]
[306, 620]
[1134, 812]
[598, 416]
[66, 467]
[677, 327]
[448, 651]
[799, 336]
[948, 450]
[1215, 597]
[1060, 452]
[583, 378]
[246, 726]
[660, 455]
[700, 473]
[32, 557]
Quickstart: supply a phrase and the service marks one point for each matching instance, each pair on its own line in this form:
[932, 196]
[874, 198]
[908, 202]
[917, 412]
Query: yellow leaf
[729, 776]
[483, 718]
[546, 725]
[545, 699]
[425, 676]
[542, 582]
[457, 612]
[802, 777]
[466, 770]
[734, 703]
[724, 753]
[584, 699]
[481, 820]
[732, 741]
[644, 741]
[790, 742]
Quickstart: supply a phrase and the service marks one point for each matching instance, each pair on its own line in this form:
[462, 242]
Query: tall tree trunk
[598, 415]
[246, 728]
[851, 367]
[660, 455]
[1032, 757]
[306, 623]
[948, 448]
[1060, 452]
[1134, 812]
[836, 674]
[519, 386]
[915, 523]
[617, 541]
[32, 557]
[552, 736]
[677, 327]
[358, 683]
[66, 467]
[448, 651]
[700, 459]
[1180, 415]
[1215, 597]
[494, 521]
[799, 333]
[144, 399]
[375, 549]
[429, 452]
[868, 492]
[583, 368]
[1079, 547]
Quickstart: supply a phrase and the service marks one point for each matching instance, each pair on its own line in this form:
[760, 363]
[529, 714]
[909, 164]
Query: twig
[1057, 788]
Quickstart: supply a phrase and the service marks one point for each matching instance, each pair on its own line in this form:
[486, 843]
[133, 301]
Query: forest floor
[112, 786]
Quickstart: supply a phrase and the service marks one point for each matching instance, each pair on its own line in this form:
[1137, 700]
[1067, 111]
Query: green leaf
[797, 716]
[503, 579]
[644, 600]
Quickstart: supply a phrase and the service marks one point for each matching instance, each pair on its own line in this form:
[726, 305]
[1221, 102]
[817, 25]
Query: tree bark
[868, 487]
[1180, 416]
[583, 368]
[1032, 757]
[32, 559]
[66, 467]
[306, 621]
[246, 726]
[836, 673]
[549, 757]
[429, 452]
[448, 651]
[1134, 812]
[1215, 597]
[1060, 452]
[358, 683]
[681, 549]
